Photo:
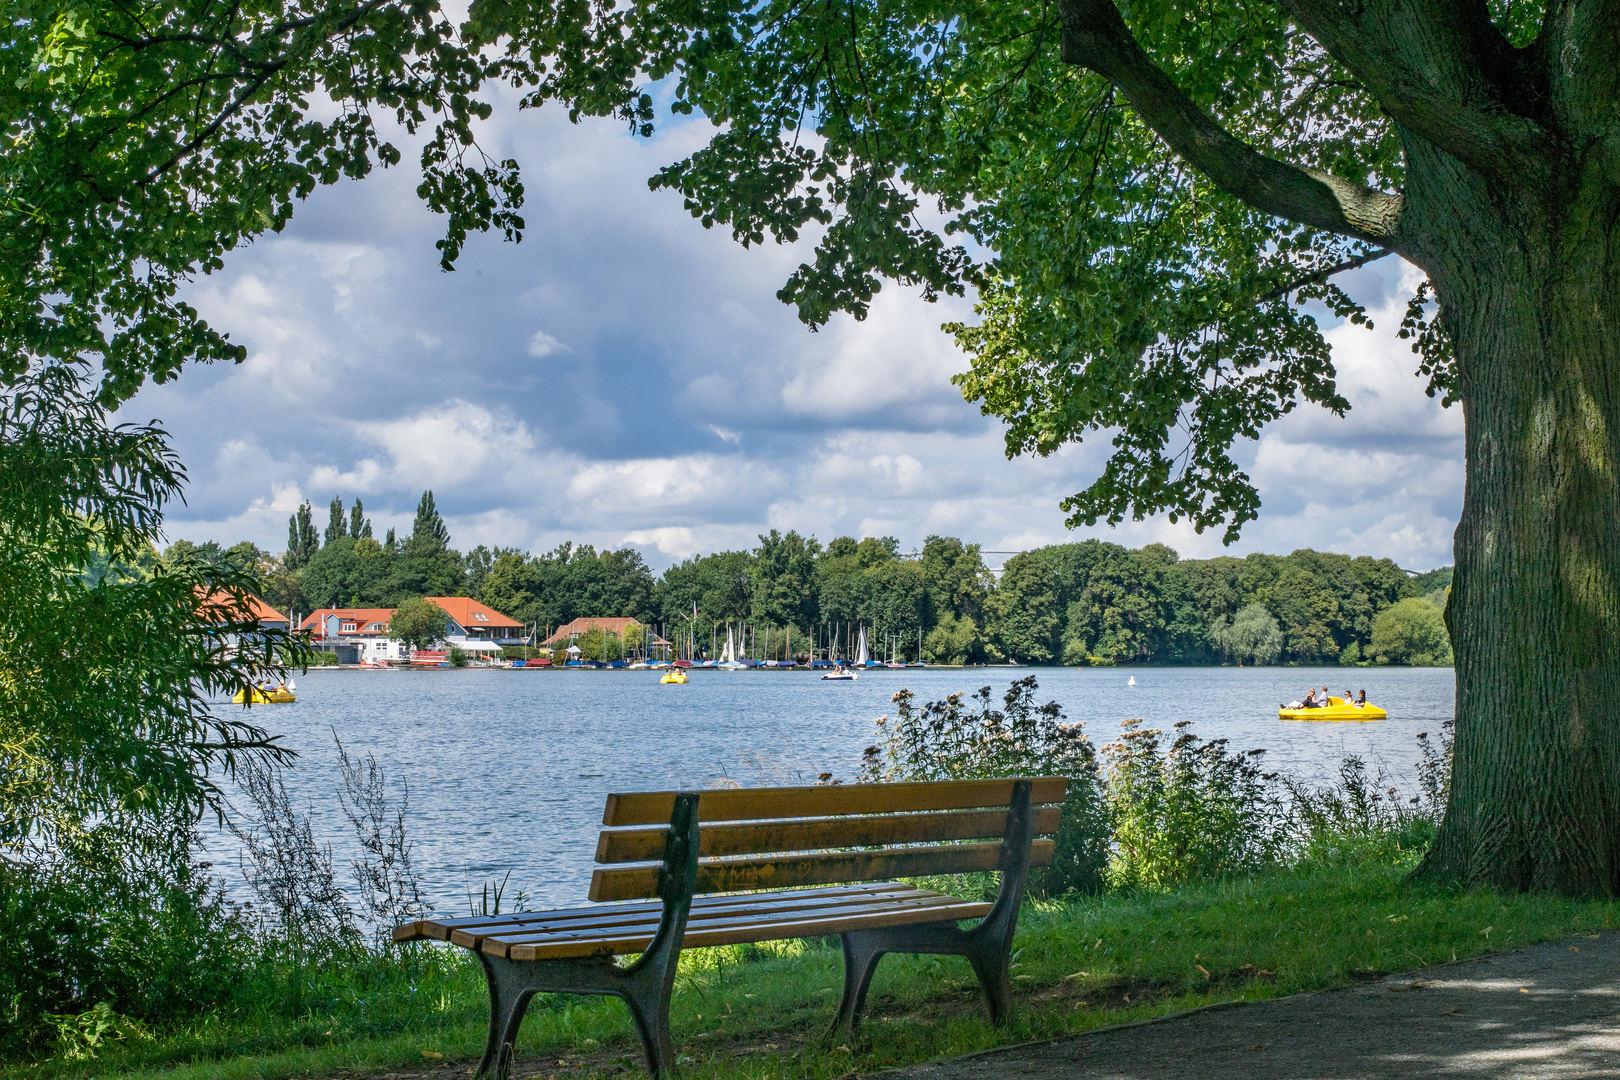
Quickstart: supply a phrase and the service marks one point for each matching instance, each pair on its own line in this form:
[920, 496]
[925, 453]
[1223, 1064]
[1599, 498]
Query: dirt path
[1549, 1011]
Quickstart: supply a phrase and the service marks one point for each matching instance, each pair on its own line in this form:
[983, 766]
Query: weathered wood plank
[631, 883]
[647, 845]
[479, 926]
[753, 804]
[769, 929]
[638, 915]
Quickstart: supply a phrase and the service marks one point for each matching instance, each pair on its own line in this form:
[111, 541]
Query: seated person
[1322, 701]
[1362, 700]
[1310, 699]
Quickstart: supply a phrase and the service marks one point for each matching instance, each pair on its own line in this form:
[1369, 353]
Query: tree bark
[1529, 283]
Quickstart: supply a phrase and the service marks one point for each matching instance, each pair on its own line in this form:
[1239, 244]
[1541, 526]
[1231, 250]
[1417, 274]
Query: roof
[261, 610]
[361, 617]
[581, 627]
[466, 611]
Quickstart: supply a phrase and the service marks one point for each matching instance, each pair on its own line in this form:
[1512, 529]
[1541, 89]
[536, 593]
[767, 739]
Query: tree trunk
[1530, 292]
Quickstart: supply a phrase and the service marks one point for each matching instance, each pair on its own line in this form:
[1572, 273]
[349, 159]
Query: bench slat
[629, 916]
[647, 845]
[921, 909]
[633, 883]
[765, 926]
[478, 926]
[753, 804]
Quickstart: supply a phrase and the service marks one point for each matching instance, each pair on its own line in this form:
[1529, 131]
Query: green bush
[947, 740]
[148, 944]
[1194, 811]
[458, 657]
[1411, 632]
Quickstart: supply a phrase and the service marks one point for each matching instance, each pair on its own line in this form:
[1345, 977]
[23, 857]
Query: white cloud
[543, 344]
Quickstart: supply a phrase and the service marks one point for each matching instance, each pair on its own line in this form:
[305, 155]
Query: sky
[626, 377]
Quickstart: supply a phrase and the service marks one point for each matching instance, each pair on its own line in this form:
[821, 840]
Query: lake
[508, 769]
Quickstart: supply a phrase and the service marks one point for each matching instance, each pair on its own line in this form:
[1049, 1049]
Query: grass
[757, 1012]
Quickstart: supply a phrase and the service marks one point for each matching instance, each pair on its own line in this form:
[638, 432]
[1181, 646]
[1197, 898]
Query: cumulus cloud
[679, 406]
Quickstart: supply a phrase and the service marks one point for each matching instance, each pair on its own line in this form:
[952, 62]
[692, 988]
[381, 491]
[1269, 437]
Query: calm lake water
[508, 770]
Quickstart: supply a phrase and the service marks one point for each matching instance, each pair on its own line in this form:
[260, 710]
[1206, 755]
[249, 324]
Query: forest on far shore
[1081, 603]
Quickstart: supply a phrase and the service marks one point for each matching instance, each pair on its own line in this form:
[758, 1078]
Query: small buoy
[1132, 682]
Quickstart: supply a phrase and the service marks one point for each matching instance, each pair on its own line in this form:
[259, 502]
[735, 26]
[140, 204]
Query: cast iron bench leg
[988, 946]
[645, 986]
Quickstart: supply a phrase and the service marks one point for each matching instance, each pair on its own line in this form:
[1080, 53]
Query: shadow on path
[1550, 1011]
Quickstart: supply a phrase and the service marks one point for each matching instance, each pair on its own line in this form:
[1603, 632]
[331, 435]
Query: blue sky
[623, 376]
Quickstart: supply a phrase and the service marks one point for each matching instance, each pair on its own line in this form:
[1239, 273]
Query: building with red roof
[360, 635]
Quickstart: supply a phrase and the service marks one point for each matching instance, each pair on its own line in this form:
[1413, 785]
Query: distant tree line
[1083, 603]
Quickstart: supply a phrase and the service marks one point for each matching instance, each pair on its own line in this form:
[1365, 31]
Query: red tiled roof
[466, 610]
[261, 610]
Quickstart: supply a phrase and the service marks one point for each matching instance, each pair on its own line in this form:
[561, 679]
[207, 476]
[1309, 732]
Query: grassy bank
[758, 1011]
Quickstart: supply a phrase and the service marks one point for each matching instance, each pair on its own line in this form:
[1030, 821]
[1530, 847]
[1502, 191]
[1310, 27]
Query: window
[346, 628]
[480, 616]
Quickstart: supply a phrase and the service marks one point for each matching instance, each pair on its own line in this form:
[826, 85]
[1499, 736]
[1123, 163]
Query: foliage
[419, 623]
[953, 640]
[146, 140]
[1411, 632]
[943, 740]
[1251, 637]
[110, 748]
[79, 1037]
[1194, 811]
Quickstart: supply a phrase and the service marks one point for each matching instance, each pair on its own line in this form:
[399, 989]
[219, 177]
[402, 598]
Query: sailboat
[861, 657]
[728, 658]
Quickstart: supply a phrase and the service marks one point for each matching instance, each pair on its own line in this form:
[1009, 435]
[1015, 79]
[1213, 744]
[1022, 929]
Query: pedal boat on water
[674, 676]
[1336, 709]
[266, 695]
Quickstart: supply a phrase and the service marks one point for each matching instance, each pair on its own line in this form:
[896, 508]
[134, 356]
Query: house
[360, 635]
[477, 628]
[355, 634]
[568, 634]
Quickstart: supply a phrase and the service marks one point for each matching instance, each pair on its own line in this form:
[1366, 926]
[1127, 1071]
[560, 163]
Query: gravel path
[1549, 1011]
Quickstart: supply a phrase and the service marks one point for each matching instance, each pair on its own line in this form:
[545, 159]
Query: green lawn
[758, 1011]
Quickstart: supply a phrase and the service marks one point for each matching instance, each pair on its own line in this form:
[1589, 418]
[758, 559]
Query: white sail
[860, 650]
[731, 649]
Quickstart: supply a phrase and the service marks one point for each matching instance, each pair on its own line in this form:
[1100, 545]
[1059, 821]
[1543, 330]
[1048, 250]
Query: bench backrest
[783, 837]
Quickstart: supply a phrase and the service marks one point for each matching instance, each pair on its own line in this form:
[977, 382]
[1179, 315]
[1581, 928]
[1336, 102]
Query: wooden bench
[738, 865]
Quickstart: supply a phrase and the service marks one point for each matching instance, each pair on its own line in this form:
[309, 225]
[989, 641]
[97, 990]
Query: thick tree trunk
[1529, 283]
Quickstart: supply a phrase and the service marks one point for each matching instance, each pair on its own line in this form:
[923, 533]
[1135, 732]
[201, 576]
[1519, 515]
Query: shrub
[947, 740]
[1194, 811]
[458, 656]
[1411, 632]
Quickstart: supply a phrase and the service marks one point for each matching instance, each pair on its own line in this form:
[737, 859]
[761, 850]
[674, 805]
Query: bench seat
[619, 929]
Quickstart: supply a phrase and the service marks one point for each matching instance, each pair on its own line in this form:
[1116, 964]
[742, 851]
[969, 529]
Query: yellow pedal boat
[1336, 709]
[262, 695]
[676, 676]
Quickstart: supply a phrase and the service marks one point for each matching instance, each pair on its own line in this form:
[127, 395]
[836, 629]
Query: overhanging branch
[1095, 36]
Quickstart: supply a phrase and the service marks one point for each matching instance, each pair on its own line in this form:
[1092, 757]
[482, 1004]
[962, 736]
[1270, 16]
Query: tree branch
[1440, 69]
[1095, 36]
[1322, 275]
